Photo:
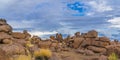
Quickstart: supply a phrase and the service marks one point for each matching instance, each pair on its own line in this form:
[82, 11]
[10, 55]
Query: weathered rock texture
[17, 43]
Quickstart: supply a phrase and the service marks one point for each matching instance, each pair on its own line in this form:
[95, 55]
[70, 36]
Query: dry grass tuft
[23, 57]
[113, 56]
[42, 53]
[28, 44]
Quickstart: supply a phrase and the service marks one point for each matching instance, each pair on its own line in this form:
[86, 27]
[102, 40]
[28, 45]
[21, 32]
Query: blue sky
[44, 17]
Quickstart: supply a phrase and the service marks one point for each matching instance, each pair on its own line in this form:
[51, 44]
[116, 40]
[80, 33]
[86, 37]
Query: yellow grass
[28, 44]
[23, 57]
[113, 56]
[43, 52]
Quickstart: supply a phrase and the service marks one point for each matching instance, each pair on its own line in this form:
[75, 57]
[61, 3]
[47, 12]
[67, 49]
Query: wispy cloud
[56, 15]
[38, 33]
[100, 6]
[115, 22]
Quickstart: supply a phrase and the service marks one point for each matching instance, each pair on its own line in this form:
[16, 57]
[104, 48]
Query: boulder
[52, 37]
[84, 35]
[35, 40]
[113, 43]
[100, 43]
[4, 56]
[104, 39]
[113, 49]
[92, 34]
[102, 57]
[27, 35]
[5, 28]
[20, 41]
[3, 22]
[77, 42]
[86, 52]
[4, 35]
[77, 34]
[53, 44]
[7, 41]
[97, 49]
[80, 51]
[59, 37]
[86, 42]
[13, 49]
[89, 52]
[44, 44]
[18, 35]
[66, 40]
[33, 48]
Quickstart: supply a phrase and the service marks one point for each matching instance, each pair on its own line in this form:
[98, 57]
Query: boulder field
[81, 46]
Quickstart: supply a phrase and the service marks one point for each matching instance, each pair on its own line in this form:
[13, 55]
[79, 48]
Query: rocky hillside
[81, 46]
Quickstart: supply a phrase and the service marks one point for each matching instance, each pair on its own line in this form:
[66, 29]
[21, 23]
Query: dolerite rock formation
[4, 56]
[5, 31]
[4, 27]
[59, 37]
[12, 43]
[90, 44]
[89, 41]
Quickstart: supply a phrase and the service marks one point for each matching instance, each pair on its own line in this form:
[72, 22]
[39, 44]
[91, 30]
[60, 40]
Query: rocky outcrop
[44, 44]
[4, 35]
[59, 37]
[102, 57]
[89, 41]
[97, 49]
[18, 35]
[11, 43]
[77, 42]
[13, 49]
[90, 34]
[4, 56]
[113, 49]
[4, 27]
[88, 44]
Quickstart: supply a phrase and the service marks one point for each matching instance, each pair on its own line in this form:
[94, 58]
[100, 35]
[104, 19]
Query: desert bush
[43, 54]
[24, 57]
[113, 56]
[28, 44]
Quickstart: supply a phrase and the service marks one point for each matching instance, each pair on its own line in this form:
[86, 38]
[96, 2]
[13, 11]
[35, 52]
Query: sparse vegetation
[28, 44]
[43, 54]
[113, 56]
[23, 57]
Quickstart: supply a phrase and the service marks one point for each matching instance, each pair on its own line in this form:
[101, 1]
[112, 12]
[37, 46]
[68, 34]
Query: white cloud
[38, 33]
[90, 13]
[100, 6]
[115, 22]
[21, 24]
